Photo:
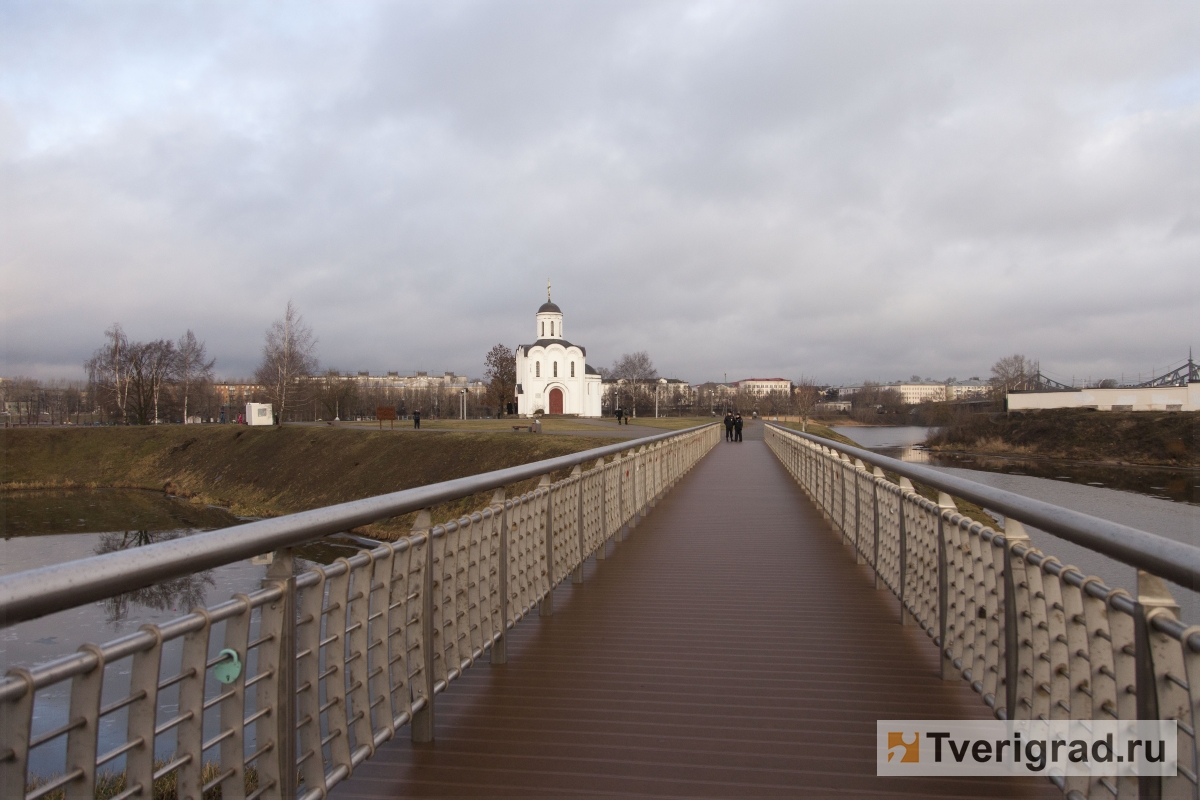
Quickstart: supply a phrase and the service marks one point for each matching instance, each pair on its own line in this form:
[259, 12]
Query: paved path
[729, 647]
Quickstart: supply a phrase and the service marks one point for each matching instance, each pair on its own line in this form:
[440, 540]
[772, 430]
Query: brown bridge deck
[729, 647]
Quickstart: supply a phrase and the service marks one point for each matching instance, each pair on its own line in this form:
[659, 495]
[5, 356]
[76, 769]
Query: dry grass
[268, 472]
[111, 784]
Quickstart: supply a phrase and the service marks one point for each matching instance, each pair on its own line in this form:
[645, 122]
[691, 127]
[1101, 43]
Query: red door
[556, 401]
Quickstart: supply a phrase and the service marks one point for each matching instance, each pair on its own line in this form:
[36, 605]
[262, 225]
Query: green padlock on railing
[228, 670]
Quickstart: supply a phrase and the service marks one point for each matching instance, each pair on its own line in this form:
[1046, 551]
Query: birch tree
[191, 370]
[288, 358]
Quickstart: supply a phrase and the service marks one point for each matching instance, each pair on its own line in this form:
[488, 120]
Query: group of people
[733, 427]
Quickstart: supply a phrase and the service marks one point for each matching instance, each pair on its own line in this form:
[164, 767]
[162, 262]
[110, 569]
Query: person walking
[619, 413]
[737, 428]
[729, 426]
[416, 420]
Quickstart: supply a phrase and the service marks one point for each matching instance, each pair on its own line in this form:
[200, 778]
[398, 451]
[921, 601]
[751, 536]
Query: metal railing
[1037, 639]
[282, 692]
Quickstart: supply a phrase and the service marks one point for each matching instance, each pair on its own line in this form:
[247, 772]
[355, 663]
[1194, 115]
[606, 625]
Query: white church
[552, 374]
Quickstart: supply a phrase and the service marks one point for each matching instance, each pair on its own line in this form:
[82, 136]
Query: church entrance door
[556, 401]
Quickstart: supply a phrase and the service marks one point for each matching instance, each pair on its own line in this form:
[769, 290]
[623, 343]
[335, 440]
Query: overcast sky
[843, 190]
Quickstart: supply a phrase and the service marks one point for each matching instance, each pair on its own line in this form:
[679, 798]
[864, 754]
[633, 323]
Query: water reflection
[186, 592]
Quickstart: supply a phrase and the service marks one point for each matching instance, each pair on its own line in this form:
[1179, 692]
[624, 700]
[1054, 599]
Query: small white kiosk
[259, 414]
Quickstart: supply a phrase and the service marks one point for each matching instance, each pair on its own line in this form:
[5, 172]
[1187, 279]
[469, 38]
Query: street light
[463, 402]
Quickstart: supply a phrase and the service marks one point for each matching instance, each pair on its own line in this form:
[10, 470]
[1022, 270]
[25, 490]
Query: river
[1160, 501]
[48, 527]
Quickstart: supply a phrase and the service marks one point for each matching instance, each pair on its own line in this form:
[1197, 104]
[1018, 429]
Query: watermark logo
[999, 748]
[905, 746]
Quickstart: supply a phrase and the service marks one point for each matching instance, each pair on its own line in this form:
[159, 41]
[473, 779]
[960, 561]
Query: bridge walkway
[730, 646]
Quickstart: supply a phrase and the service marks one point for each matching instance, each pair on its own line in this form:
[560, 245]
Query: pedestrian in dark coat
[737, 428]
[416, 419]
[729, 426]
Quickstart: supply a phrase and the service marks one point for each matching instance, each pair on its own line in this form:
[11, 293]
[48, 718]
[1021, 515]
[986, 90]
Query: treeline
[131, 382]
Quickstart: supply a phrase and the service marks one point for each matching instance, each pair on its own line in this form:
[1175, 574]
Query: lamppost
[462, 393]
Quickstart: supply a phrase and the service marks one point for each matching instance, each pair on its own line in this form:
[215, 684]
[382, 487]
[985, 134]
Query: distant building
[972, 389]
[915, 392]
[553, 376]
[764, 386]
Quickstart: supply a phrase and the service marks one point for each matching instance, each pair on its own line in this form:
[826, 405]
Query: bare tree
[288, 358]
[637, 370]
[1012, 371]
[108, 371]
[805, 396]
[501, 375]
[338, 394]
[191, 370]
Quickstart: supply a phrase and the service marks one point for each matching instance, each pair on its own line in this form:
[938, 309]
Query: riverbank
[268, 472]
[1145, 438]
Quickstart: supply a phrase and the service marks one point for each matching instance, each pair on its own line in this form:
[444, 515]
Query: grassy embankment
[965, 507]
[270, 472]
[1114, 437]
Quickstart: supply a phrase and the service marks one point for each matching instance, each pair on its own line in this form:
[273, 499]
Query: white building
[765, 386]
[914, 392]
[1157, 398]
[552, 374]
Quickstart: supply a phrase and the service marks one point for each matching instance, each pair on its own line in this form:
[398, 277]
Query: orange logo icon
[909, 752]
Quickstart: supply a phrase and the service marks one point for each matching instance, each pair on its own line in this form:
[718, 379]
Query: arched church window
[572, 369]
[543, 328]
[552, 330]
[556, 369]
[537, 369]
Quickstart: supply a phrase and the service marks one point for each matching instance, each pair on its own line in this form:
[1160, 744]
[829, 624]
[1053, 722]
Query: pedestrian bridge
[674, 616]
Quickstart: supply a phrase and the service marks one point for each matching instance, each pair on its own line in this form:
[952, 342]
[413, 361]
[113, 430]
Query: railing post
[500, 646]
[906, 616]
[1014, 576]
[577, 574]
[280, 573]
[859, 558]
[619, 460]
[878, 474]
[603, 548]
[1157, 657]
[422, 721]
[946, 668]
[546, 606]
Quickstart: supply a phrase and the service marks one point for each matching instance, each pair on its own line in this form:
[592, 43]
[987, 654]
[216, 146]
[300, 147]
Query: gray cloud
[848, 190]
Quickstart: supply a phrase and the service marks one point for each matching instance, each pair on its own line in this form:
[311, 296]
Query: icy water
[1160, 501]
[49, 527]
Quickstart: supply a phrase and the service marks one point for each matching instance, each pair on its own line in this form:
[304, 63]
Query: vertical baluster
[190, 733]
[602, 478]
[577, 572]
[337, 664]
[277, 691]
[988, 662]
[233, 708]
[358, 705]
[308, 690]
[476, 584]
[1039, 628]
[945, 564]
[1059, 664]
[421, 563]
[906, 488]
[877, 478]
[1159, 660]
[546, 607]
[143, 715]
[1101, 663]
[379, 659]
[447, 611]
[404, 618]
[1017, 667]
[15, 732]
[81, 741]
[500, 647]
[1190, 649]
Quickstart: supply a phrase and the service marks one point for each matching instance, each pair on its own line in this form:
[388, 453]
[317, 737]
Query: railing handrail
[38, 592]
[1175, 561]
